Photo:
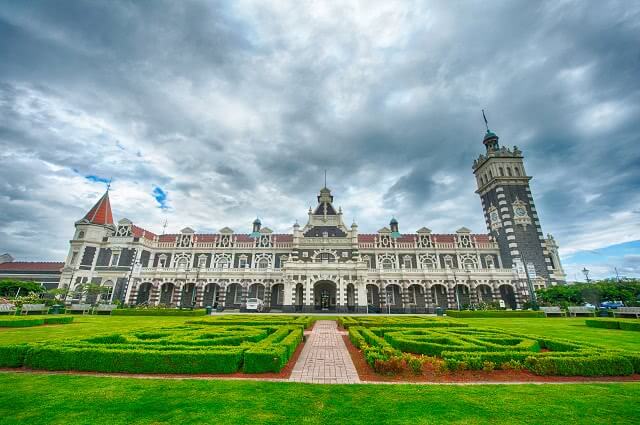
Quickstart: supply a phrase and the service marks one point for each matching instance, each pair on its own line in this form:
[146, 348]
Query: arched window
[182, 263]
[517, 170]
[326, 257]
[501, 171]
[509, 171]
[489, 261]
[222, 263]
[387, 263]
[468, 263]
[263, 263]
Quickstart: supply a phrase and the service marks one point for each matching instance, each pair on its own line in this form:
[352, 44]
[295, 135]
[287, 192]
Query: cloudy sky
[208, 114]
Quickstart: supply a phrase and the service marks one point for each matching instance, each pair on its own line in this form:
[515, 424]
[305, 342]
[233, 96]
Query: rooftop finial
[109, 184]
[164, 226]
[325, 178]
[485, 120]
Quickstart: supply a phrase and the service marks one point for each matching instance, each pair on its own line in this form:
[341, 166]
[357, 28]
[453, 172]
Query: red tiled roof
[139, 232]
[411, 237]
[206, 237]
[170, 237]
[101, 211]
[284, 237]
[366, 237]
[32, 266]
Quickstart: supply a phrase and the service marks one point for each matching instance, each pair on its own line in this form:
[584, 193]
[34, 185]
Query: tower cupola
[255, 233]
[393, 225]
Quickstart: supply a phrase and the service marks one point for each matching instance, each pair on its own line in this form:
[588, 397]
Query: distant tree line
[627, 291]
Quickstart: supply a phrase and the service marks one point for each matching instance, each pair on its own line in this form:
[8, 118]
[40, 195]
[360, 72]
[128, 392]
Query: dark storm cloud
[236, 109]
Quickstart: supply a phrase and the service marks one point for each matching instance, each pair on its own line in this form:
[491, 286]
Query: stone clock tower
[511, 215]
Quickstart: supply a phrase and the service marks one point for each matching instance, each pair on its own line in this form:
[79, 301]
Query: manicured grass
[573, 328]
[42, 399]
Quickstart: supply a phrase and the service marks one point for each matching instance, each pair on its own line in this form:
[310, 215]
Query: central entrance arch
[324, 295]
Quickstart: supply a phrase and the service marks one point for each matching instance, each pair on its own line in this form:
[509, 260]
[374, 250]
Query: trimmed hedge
[614, 324]
[156, 312]
[395, 321]
[13, 355]
[472, 348]
[494, 313]
[58, 320]
[51, 357]
[20, 322]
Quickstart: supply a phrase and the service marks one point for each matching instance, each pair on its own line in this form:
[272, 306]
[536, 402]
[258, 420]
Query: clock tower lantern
[511, 215]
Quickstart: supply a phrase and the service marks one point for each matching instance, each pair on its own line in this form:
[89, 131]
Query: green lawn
[46, 399]
[573, 328]
[42, 399]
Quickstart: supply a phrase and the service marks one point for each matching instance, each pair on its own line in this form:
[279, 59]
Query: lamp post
[455, 289]
[534, 300]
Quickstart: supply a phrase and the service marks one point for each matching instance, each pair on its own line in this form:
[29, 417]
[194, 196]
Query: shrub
[20, 322]
[488, 366]
[415, 364]
[607, 324]
[156, 312]
[13, 355]
[494, 313]
[58, 320]
[52, 357]
[596, 365]
[511, 365]
[630, 326]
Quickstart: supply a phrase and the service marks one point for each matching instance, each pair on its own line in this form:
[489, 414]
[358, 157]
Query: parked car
[611, 304]
[255, 304]
[588, 305]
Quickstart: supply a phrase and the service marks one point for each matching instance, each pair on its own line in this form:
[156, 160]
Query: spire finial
[485, 120]
[109, 184]
[164, 226]
[325, 178]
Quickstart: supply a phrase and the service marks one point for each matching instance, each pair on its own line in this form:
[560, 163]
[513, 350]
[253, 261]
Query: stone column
[154, 296]
[177, 294]
[428, 299]
[200, 294]
[309, 302]
[133, 293]
[451, 298]
[222, 298]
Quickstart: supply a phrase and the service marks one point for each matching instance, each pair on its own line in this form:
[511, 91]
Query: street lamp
[534, 300]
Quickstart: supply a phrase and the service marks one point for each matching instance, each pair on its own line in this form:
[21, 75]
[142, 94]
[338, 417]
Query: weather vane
[109, 183]
[485, 120]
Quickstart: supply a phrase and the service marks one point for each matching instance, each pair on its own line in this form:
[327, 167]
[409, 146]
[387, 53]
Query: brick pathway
[324, 358]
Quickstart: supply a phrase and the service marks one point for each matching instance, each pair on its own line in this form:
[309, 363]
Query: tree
[11, 287]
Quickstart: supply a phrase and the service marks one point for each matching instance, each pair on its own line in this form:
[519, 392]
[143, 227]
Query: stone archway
[485, 294]
[144, 293]
[393, 300]
[324, 295]
[211, 295]
[256, 290]
[439, 296]
[508, 296]
[188, 298]
[463, 296]
[416, 298]
[299, 298]
[233, 298]
[373, 298]
[277, 296]
[166, 293]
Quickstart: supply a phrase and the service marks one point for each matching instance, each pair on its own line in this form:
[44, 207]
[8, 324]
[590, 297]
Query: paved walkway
[325, 358]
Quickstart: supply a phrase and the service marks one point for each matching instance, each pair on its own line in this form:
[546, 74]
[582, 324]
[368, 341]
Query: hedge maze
[24, 322]
[208, 347]
[458, 347]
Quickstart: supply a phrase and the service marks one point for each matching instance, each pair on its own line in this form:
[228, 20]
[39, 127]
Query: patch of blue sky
[161, 197]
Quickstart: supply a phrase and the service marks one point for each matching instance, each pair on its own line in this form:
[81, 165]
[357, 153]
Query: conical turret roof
[101, 211]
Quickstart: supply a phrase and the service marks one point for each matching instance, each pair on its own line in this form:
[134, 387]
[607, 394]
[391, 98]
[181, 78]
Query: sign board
[531, 270]
[502, 304]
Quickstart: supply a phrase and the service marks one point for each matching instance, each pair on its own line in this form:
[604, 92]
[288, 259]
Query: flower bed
[392, 350]
[185, 349]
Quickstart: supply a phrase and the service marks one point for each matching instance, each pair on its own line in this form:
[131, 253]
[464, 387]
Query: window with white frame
[222, 262]
[263, 263]
[202, 261]
[489, 262]
[326, 257]
[237, 297]
[115, 258]
[448, 261]
[391, 298]
[428, 262]
[162, 261]
[182, 263]
[406, 261]
[243, 261]
[469, 263]
[370, 294]
[74, 258]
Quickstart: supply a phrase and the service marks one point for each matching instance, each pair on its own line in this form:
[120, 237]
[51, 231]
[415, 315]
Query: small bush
[596, 365]
[20, 322]
[630, 326]
[606, 324]
[511, 365]
[58, 320]
[488, 366]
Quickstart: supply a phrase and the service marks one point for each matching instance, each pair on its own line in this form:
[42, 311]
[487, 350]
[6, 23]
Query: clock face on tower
[521, 212]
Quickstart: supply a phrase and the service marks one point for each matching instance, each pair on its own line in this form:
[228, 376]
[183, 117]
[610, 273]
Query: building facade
[327, 265]
[47, 274]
